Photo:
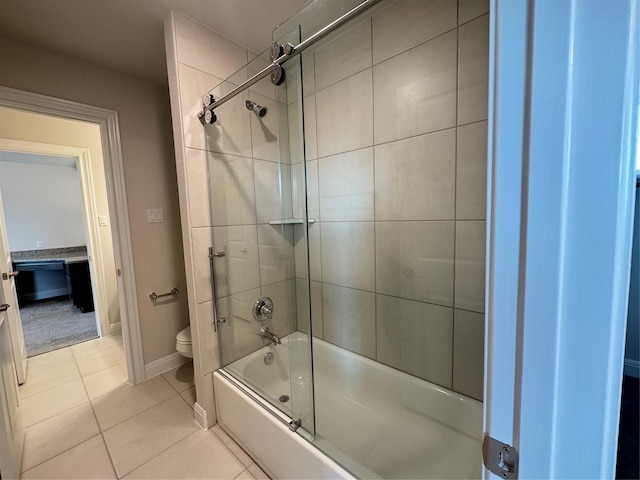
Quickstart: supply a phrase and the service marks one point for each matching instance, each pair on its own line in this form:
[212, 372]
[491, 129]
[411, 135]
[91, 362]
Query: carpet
[55, 323]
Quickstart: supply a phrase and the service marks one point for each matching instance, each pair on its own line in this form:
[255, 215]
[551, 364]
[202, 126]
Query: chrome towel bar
[155, 296]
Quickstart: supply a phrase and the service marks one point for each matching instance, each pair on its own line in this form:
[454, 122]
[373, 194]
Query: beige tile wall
[397, 155]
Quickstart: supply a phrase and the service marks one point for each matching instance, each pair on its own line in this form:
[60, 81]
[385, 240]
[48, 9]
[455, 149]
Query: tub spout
[265, 333]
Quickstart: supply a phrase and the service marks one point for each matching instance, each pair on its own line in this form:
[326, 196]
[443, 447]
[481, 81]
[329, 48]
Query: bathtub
[373, 420]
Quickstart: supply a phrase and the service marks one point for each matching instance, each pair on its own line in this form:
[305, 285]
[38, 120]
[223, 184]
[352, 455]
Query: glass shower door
[249, 165]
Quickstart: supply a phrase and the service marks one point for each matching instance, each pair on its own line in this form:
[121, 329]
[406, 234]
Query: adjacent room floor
[628, 465]
[83, 421]
[55, 323]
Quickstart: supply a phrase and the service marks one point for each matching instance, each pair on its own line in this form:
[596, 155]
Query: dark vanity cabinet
[79, 281]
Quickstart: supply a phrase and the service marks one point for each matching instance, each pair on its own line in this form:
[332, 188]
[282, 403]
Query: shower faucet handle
[263, 309]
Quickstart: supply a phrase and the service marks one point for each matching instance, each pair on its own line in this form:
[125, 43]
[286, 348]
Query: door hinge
[500, 458]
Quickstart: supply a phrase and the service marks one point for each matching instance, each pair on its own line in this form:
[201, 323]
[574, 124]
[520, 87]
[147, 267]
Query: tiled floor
[83, 421]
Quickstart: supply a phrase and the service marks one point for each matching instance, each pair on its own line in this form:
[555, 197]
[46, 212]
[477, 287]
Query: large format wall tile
[238, 270]
[348, 254]
[407, 23]
[468, 353]
[470, 265]
[270, 132]
[346, 186]
[302, 198]
[415, 178]
[275, 253]
[470, 9]
[268, 190]
[232, 190]
[473, 74]
[415, 337]
[303, 307]
[415, 92]
[209, 352]
[283, 294]
[345, 112]
[314, 251]
[194, 84]
[415, 260]
[231, 133]
[345, 54]
[202, 239]
[198, 187]
[207, 50]
[238, 332]
[471, 172]
[349, 319]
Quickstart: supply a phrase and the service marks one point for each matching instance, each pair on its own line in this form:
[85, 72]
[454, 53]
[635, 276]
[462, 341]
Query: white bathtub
[375, 421]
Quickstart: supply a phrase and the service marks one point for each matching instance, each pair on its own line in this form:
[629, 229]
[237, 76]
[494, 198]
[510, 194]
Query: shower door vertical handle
[212, 263]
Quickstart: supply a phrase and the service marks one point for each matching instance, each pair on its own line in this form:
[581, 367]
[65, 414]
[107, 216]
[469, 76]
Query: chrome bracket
[499, 458]
[294, 425]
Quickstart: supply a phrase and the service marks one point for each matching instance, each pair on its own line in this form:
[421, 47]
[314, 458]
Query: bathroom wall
[42, 202]
[395, 124]
[149, 169]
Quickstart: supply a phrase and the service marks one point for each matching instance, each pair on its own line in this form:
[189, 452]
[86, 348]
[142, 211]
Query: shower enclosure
[348, 204]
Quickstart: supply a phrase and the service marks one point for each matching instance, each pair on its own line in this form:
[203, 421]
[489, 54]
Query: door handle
[8, 275]
[4, 307]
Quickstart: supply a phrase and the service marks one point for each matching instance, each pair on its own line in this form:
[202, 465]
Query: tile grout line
[95, 417]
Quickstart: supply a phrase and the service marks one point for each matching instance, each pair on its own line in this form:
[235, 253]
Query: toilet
[183, 343]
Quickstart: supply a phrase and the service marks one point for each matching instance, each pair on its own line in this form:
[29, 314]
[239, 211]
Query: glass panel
[394, 175]
[249, 161]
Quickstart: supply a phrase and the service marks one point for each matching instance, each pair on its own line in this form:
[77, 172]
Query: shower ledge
[290, 221]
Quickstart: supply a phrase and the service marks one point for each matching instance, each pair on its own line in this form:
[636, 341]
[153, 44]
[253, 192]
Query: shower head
[253, 106]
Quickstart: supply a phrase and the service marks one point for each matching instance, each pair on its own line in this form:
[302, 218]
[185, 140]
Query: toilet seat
[183, 343]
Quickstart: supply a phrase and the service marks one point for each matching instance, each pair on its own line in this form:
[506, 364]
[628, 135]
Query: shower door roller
[262, 309]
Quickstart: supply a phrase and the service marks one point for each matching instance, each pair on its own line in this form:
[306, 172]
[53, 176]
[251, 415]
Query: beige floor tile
[232, 445]
[97, 345]
[106, 380]
[100, 360]
[139, 439]
[189, 396]
[57, 434]
[180, 377]
[87, 460]
[123, 403]
[47, 378]
[257, 472]
[201, 455]
[245, 475]
[49, 403]
[51, 359]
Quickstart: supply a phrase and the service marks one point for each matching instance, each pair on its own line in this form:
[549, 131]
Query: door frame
[107, 120]
[87, 190]
[563, 139]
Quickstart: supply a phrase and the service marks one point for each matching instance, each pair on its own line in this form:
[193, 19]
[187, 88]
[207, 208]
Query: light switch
[155, 215]
[102, 220]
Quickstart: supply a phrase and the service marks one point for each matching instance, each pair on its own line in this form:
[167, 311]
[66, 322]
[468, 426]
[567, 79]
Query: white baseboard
[115, 328]
[632, 368]
[164, 364]
[200, 414]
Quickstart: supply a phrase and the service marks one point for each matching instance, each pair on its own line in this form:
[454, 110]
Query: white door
[11, 433]
[8, 283]
[563, 139]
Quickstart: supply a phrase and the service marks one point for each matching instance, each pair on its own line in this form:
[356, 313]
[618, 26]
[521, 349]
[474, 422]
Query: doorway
[48, 210]
[106, 123]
